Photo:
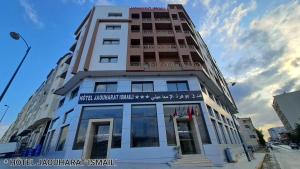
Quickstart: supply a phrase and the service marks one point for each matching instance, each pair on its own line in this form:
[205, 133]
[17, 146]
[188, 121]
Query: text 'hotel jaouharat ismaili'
[142, 87]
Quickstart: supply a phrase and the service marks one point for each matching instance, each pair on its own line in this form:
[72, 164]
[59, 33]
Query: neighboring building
[275, 133]
[32, 123]
[287, 108]
[142, 82]
[248, 132]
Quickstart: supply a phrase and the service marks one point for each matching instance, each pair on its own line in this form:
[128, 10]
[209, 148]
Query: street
[286, 157]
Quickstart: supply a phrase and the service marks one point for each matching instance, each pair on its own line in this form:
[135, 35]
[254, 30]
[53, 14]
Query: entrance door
[186, 139]
[100, 141]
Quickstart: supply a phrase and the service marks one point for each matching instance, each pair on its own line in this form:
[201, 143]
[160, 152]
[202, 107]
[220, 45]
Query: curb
[260, 165]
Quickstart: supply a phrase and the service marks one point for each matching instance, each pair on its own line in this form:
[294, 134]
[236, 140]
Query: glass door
[185, 134]
[100, 141]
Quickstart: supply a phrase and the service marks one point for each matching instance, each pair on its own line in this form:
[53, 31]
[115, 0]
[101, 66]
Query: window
[223, 118]
[66, 116]
[54, 123]
[50, 134]
[211, 95]
[144, 130]
[178, 86]
[223, 133]
[111, 41]
[217, 115]
[216, 130]
[100, 112]
[113, 27]
[142, 87]
[135, 28]
[252, 136]
[74, 93]
[62, 138]
[108, 59]
[61, 102]
[247, 126]
[210, 111]
[203, 88]
[233, 135]
[174, 16]
[106, 87]
[135, 16]
[228, 133]
[115, 14]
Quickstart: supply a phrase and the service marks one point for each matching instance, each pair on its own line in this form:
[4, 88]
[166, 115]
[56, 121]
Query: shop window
[100, 112]
[144, 130]
[142, 87]
[62, 138]
[178, 86]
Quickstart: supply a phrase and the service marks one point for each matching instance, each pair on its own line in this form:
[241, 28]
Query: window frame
[60, 136]
[105, 83]
[109, 41]
[74, 93]
[178, 82]
[109, 57]
[142, 83]
[113, 27]
[115, 14]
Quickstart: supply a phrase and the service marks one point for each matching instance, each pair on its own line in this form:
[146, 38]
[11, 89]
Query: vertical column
[125, 143]
[161, 125]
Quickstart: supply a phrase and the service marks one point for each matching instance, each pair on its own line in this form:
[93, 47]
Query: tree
[261, 139]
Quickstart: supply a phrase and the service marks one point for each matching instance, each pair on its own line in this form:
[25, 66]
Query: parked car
[294, 146]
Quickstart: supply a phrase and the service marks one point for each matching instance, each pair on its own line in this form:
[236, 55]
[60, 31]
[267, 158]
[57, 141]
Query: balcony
[165, 66]
[165, 32]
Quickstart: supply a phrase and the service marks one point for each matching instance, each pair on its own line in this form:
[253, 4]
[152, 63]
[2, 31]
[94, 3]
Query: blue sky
[254, 42]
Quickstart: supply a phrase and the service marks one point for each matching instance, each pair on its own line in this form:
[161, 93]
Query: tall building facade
[287, 108]
[31, 125]
[275, 133]
[142, 86]
[248, 132]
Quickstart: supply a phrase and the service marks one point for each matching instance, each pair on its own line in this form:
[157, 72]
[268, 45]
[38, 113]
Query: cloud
[104, 2]
[31, 13]
[175, 1]
[261, 54]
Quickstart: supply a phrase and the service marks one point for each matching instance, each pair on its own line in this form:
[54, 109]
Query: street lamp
[236, 126]
[4, 112]
[15, 36]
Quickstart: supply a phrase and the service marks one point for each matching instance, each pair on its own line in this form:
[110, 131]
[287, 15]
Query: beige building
[287, 107]
[248, 132]
[33, 121]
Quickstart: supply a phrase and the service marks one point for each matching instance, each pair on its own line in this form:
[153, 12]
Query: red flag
[175, 113]
[189, 113]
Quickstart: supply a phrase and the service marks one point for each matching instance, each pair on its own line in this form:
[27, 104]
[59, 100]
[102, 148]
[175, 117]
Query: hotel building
[143, 87]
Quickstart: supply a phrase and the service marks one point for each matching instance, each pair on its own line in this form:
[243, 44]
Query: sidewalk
[241, 164]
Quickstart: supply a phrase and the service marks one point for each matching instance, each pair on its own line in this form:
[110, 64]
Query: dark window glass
[170, 131]
[54, 123]
[216, 130]
[228, 133]
[114, 14]
[103, 112]
[106, 87]
[144, 130]
[111, 41]
[108, 59]
[61, 102]
[74, 93]
[178, 86]
[223, 118]
[247, 126]
[51, 134]
[113, 27]
[142, 87]
[234, 137]
[223, 133]
[62, 138]
[135, 16]
[203, 88]
[67, 116]
[210, 111]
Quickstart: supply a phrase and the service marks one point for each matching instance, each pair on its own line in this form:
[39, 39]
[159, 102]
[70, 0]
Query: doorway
[186, 139]
[98, 139]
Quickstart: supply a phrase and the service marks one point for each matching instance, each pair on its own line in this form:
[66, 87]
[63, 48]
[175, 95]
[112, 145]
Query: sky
[255, 43]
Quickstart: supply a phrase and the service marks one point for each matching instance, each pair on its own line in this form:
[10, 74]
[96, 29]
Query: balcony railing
[153, 66]
[147, 31]
[165, 31]
[173, 46]
[162, 19]
[148, 46]
[135, 46]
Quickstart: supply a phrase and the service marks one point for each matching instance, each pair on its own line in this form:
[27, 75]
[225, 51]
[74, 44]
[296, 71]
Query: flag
[175, 113]
[189, 113]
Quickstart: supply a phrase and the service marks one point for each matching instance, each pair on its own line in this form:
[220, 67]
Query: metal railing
[165, 31]
[176, 65]
[147, 31]
[135, 46]
[173, 46]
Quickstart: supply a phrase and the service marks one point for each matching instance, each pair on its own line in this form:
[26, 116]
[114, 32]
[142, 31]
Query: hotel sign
[132, 97]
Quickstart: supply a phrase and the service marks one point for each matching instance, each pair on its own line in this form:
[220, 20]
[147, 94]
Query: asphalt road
[286, 157]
